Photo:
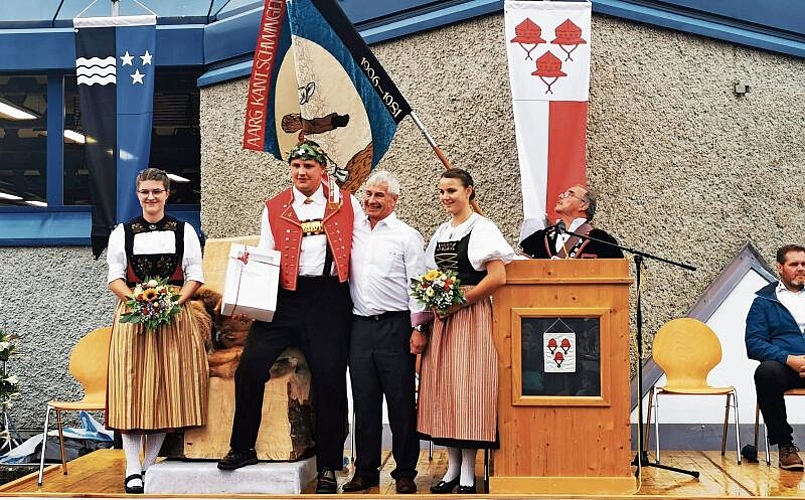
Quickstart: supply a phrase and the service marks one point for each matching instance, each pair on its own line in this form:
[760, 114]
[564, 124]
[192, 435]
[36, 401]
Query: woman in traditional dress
[459, 373]
[157, 378]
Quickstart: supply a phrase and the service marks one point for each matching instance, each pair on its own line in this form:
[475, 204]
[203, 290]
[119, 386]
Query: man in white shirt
[774, 336]
[388, 331]
[311, 223]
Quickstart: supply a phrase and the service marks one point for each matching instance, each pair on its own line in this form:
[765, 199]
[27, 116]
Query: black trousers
[317, 318]
[381, 363]
[772, 379]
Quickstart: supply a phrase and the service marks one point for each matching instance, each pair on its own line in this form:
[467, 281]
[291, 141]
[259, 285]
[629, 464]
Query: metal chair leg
[430, 450]
[768, 446]
[44, 444]
[647, 436]
[737, 426]
[61, 441]
[725, 427]
[657, 424]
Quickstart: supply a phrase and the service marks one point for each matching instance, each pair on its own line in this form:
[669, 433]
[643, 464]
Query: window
[23, 139]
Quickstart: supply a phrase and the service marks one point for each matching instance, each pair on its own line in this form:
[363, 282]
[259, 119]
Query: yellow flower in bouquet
[153, 303]
[437, 289]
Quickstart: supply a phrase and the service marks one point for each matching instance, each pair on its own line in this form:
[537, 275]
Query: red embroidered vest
[287, 232]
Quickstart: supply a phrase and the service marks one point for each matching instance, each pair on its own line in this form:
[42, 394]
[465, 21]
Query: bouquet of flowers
[9, 384]
[153, 303]
[437, 289]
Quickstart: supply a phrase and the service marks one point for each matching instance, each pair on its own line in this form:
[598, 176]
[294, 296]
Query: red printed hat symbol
[568, 34]
[549, 66]
[527, 33]
[552, 345]
[558, 358]
[565, 345]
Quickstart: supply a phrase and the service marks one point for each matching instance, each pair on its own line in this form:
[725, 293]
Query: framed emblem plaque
[559, 356]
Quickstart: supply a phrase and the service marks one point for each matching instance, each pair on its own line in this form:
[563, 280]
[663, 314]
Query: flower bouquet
[437, 289]
[153, 303]
[9, 384]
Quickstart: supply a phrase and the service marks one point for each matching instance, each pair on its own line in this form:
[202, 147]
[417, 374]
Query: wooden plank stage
[100, 474]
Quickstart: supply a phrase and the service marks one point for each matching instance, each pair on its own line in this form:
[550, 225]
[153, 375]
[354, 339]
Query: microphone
[560, 227]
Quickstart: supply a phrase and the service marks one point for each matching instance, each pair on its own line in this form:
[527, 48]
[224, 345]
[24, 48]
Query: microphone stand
[641, 457]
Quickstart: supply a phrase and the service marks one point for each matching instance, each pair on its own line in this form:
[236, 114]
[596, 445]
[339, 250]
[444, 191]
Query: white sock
[453, 464]
[467, 467]
[153, 443]
[132, 444]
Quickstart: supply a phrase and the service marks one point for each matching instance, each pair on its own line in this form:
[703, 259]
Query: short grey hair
[592, 201]
[384, 177]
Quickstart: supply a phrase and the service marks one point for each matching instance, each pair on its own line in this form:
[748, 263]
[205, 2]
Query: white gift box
[252, 278]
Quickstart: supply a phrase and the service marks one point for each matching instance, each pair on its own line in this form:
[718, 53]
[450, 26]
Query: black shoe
[466, 490]
[360, 483]
[405, 486]
[236, 459]
[444, 487]
[133, 490]
[327, 483]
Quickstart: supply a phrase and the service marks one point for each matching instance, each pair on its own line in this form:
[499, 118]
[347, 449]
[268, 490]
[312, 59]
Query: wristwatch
[423, 328]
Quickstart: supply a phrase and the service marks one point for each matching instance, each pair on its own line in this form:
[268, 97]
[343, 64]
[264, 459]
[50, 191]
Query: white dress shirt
[383, 262]
[154, 242]
[561, 239]
[314, 247]
[794, 302]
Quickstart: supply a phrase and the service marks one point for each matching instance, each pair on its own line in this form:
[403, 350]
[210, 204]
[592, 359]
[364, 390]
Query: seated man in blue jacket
[774, 336]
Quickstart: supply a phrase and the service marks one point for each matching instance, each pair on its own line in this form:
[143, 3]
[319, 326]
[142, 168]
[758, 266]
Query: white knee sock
[467, 467]
[132, 444]
[153, 443]
[453, 464]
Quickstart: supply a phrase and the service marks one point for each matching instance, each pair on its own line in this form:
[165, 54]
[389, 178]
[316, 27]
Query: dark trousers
[772, 379]
[381, 363]
[316, 318]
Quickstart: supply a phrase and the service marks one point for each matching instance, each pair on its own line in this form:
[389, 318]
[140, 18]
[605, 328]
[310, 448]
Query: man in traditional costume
[311, 224]
[576, 208]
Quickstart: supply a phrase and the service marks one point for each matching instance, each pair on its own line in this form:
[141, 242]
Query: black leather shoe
[444, 487]
[327, 483]
[236, 459]
[405, 486]
[466, 490]
[360, 483]
[133, 490]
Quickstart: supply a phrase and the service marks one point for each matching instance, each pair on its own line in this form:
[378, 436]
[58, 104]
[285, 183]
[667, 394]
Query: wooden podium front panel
[546, 438]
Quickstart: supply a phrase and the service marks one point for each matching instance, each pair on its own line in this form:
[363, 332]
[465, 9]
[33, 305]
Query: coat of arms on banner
[559, 350]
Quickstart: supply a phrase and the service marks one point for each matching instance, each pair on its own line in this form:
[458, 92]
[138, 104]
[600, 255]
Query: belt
[386, 315]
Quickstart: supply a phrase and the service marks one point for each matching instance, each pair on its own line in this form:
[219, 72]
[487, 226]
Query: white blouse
[154, 242]
[486, 242]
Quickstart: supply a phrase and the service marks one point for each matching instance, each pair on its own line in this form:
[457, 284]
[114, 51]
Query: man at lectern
[576, 208]
[774, 336]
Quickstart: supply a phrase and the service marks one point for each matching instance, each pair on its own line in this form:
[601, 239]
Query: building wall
[50, 297]
[685, 169]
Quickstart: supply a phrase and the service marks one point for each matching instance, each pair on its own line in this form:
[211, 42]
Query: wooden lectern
[561, 330]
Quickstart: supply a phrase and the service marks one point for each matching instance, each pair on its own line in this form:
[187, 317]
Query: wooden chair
[89, 362]
[687, 350]
[790, 392]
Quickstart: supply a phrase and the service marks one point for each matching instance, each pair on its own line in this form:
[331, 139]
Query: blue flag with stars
[115, 65]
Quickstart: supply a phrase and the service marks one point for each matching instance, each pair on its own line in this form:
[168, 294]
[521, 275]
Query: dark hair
[463, 176]
[592, 200]
[154, 174]
[784, 250]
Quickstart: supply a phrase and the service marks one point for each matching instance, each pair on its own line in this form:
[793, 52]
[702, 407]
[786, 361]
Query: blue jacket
[771, 331]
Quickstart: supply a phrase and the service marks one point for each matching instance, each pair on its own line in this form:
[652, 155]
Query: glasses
[571, 194]
[156, 193]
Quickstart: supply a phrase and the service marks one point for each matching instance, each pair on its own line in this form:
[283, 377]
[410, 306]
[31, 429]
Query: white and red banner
[548, 48]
